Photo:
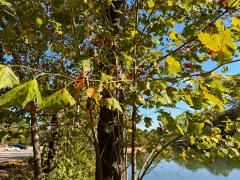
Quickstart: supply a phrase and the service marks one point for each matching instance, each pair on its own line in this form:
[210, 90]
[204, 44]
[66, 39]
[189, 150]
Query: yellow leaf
[59, 32]
[155, 64]
[39, 21]
[151, 4]
[90, 4]
[173, 35]
[91, 92]
[133, 33]
[170, 2]
[212, 98]
[141, 100]
[220, 43]
[189, 100]
[173, 66]
[234, 3]
[235, 21]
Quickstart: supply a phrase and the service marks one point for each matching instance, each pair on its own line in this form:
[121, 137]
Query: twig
[198, 74]
[158, 153]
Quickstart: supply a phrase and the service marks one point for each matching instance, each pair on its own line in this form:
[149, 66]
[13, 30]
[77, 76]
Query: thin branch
[53, 74]
[144, 28]
[195, 37]
[198, 74]
[23, 66]
[157, 154]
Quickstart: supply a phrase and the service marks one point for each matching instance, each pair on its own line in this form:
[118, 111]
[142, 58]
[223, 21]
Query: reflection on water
[217, 169]
[173, 171]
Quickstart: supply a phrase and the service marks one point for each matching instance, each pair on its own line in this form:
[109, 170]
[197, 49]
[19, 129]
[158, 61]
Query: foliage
[154, 56]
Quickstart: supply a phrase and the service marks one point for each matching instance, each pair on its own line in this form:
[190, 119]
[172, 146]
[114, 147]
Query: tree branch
[199, 74]
[156, 155]
[195, 37]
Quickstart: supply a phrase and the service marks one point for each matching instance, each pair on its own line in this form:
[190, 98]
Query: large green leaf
[21, 95]
[7, 77]
[58, 99]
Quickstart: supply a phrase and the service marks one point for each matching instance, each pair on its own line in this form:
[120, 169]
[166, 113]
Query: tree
[121, 56]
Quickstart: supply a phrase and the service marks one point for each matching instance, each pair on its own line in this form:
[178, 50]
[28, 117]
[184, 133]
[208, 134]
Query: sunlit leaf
[106, 77]
[151, 4]
[91, 92]
[21, 95]
[60, 98]
[212, 98]
[112, 104]
[7, 77]
[174, 66]
[8, 4]
[221, 43]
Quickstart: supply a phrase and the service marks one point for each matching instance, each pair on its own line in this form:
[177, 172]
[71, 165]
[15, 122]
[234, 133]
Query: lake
[170, 170]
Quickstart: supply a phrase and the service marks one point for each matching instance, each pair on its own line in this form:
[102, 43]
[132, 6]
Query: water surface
[172, 171]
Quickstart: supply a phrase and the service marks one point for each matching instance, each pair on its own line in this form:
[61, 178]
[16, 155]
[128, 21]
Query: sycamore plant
[107, 60]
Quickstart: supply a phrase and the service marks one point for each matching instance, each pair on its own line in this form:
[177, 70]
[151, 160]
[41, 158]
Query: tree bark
[110, 124]
[133, 153]
[52, 145]
[110, 145]
[36, 145]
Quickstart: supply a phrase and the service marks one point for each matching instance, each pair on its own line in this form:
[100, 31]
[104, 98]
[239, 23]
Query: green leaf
[217, 84]
[188, 99]
[8, 4]
[204, 143]
[118, 11]
[21, 95]
[112, 104]
[167, 120]
[222, 152]
[87, 64]
[233, 153]
[174, 66]
[180, 130]
[147, 121]
[198, 127]
[182, 122]
[7, 77]
[106, 77]
[127, 59]
[59, 99]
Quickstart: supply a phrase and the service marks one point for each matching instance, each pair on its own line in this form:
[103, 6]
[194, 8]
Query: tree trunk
[110, 145]
[133, 153]
[52, 145]
[36, 146]
[110, 124]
